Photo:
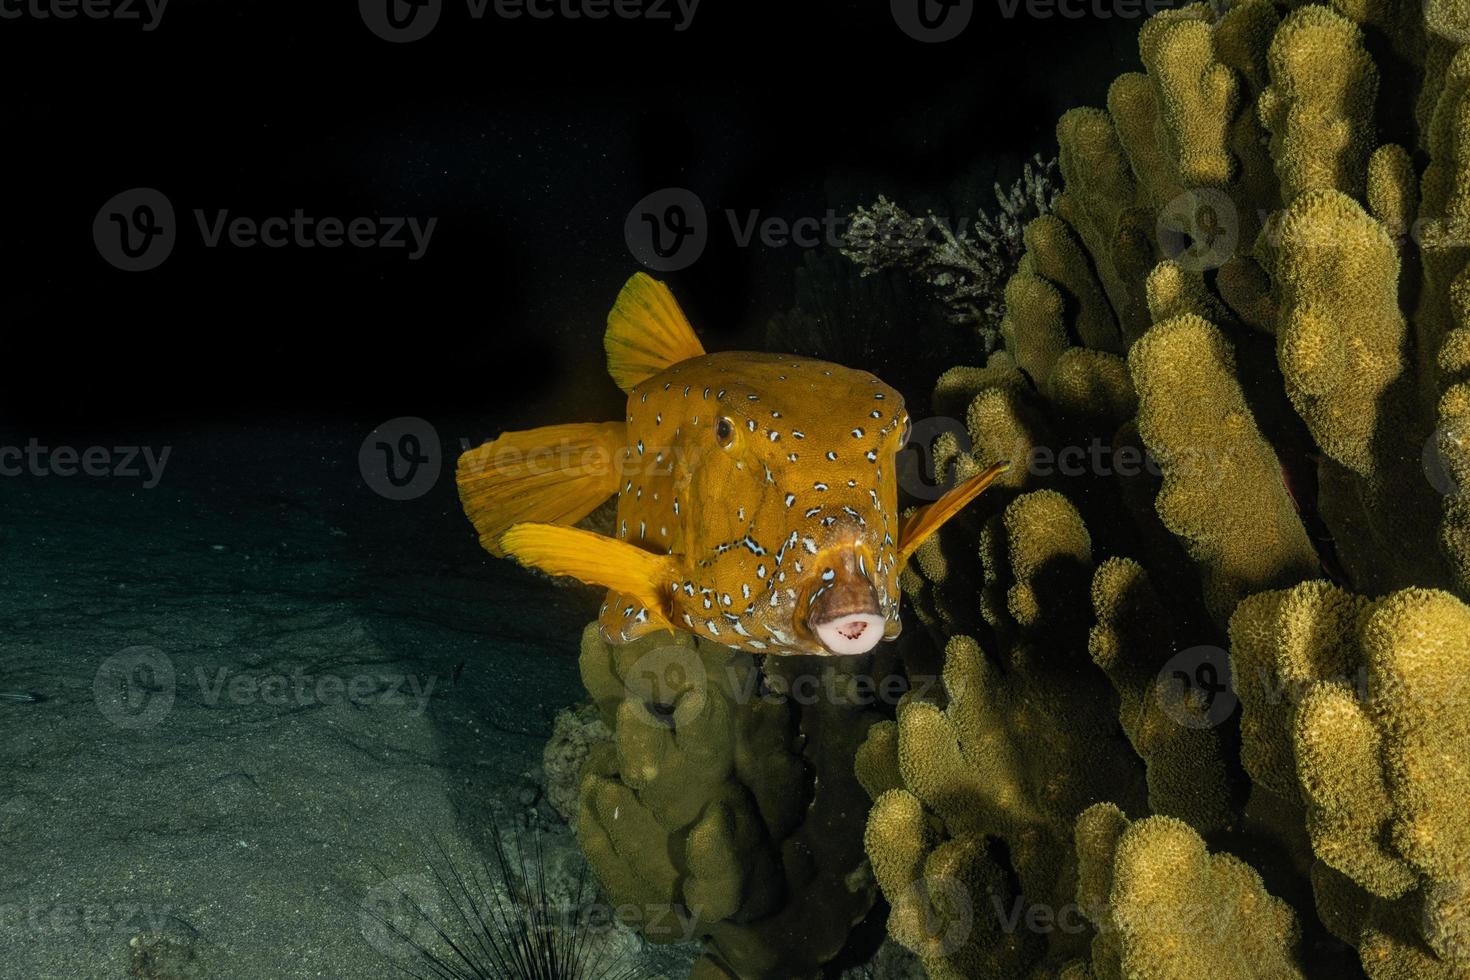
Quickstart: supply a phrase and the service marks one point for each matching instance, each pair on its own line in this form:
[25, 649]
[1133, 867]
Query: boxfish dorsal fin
[646, 332]
[926, 520]
[557, 474]
[597, 560]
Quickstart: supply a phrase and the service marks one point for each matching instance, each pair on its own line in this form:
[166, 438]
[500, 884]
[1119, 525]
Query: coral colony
[1208, 720]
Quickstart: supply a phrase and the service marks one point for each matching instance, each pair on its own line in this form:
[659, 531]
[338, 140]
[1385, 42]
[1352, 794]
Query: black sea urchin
[499, 921]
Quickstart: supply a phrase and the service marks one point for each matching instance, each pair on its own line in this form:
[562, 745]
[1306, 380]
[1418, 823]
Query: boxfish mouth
[844, 614]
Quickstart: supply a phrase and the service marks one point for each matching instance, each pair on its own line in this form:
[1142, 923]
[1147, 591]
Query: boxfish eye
[725, 431]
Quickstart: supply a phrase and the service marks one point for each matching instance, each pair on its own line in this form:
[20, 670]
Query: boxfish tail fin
[646, 332]
[557, 474]
[597, 560]
[918, 526]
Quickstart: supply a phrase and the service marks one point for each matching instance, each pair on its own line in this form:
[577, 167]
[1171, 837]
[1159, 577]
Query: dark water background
[264, 548]
[528, 140]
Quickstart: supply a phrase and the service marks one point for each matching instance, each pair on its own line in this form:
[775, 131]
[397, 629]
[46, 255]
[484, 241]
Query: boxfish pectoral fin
[557, 474]
[926, 520]
[596, 560]
[647, 332]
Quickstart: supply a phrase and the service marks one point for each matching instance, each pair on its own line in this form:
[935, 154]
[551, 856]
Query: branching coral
[1166, 907]
[966, 266]
[1249, 315]
[721, 809]
[1004, 763]
[1357, 710]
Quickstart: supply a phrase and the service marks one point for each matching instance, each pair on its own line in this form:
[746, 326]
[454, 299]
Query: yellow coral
[1222, 492]
[1319, 105]
[701, 805]
[1186, 760]
[1299, 371]
[1361, 706]
[1170, 909]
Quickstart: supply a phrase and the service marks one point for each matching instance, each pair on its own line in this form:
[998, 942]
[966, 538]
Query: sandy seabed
[268, 693]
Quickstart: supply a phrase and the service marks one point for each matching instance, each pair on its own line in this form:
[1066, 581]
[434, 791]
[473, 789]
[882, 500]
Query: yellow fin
[926, 520]
[620, 623]
[597, 560]
[646, 332]
[557, 474]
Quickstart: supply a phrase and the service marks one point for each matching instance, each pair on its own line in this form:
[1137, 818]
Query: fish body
[757, 493]
[772, 477]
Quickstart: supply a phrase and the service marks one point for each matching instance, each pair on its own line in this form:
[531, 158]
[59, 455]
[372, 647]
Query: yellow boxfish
[757, 493]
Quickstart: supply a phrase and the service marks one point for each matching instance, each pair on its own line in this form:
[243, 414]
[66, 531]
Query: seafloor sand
[269, 694]
[268, 691]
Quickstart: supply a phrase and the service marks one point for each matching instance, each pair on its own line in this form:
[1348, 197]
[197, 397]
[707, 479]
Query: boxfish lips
[843, 611]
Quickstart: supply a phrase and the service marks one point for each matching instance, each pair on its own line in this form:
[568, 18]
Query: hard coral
[1256, 281]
